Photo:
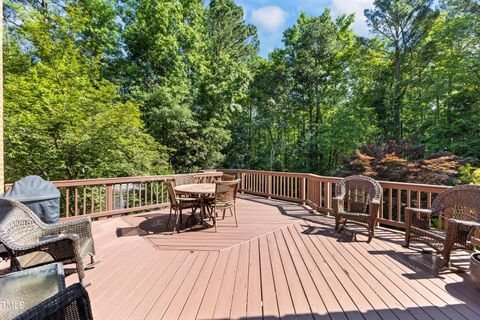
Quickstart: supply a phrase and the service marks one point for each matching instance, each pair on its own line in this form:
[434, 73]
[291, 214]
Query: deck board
[285, 266]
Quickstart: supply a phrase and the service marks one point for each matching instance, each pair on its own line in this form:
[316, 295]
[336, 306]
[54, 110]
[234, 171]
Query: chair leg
[370, 236]
[15, 264]
[235, 215]
[337, 223]
[446, 258]
[214, 218]
[407, 240]
[231, 213]
[177, 216]
[223, 214]
[371, 231]
[169, 216]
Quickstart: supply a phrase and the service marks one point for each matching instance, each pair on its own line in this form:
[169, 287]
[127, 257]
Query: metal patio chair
[225, 198]
[178, 204]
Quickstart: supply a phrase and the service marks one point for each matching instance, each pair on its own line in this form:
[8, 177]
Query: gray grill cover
[41, 196]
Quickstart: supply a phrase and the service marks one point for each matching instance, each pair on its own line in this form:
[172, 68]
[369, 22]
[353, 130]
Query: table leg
[202, 209]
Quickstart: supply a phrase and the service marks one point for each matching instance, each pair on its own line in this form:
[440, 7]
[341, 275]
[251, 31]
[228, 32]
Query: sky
[272, 17]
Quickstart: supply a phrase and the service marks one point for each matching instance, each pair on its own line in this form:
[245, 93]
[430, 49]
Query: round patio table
[201, 189]
[197, 190]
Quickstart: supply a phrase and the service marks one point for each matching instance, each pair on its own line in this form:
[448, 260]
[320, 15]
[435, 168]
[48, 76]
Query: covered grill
[41, 196]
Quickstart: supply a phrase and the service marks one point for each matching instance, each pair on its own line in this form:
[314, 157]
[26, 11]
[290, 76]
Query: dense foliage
[107, 88]
[63, 119]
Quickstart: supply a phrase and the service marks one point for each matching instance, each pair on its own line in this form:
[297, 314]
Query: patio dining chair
[460, 209]
[178, 204]
[357, 202]
[225, 198]
[31, 242]
[185, 179]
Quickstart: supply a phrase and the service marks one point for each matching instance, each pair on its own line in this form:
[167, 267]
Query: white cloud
[354, 6]
[270, 18]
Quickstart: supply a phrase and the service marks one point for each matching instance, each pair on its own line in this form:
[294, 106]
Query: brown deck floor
[288, 265]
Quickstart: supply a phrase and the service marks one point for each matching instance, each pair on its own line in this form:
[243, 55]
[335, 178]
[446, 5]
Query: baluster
[163, 195]
[320, 200]
[381, 206]
[134, 204]
[390, 199]
[76, 202]
[269, 186]
[92, 202]
[84, 200]
[302, 189]
[128, 195]
[294, 188]
[151, 192]
[289, 186]
[100, 197]
[408, 204]
[67, 202]
[399, 204]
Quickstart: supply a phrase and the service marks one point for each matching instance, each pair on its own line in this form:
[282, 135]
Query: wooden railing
[318, 192]
[109, 197]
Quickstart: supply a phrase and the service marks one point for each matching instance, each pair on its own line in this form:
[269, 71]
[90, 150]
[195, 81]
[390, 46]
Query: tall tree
[193, 66]
[403, 24]
[64, 120]
[319, 53]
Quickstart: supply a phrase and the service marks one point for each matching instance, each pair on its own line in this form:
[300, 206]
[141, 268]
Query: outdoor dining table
[197, 190]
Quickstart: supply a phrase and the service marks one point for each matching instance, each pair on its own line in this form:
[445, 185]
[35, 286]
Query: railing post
[109, 197]
[302, 190]
[269, 186]
[328, 199]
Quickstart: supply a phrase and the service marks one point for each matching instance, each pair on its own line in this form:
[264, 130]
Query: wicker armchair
[227, 177]
[225, 198]
[460, 207]
[358, 202]
[24, 236]
[178, 204]
[69, 304]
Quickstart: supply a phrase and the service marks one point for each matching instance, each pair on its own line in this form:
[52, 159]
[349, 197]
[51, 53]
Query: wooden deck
[282, 262]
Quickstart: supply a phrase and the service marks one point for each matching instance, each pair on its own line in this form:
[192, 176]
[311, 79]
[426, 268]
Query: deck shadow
[151, 224]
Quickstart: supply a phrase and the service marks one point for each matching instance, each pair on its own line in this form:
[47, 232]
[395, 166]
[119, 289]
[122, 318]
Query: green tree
[404, 25]
[193, 66]
[62, 119]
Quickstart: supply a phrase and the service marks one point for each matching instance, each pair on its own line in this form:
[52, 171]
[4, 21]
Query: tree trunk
[397, 99]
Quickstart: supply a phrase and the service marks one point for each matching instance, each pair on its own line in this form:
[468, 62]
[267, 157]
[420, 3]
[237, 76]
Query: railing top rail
[108, 181]
[385, 184]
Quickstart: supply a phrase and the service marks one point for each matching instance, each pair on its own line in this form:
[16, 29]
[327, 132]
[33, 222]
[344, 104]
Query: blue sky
[272, 17]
